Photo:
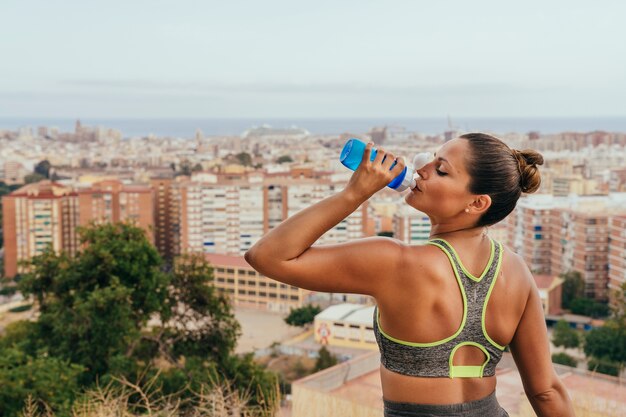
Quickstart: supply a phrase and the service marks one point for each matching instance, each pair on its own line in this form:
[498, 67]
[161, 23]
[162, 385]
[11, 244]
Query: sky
[333, 59]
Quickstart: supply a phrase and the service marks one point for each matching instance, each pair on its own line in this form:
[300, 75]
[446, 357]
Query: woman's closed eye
[441, 173]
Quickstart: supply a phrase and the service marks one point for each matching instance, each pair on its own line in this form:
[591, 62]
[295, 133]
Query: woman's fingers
[398, 167]
[367, 152]
[384, 159]
[380, 156]
[389, 160]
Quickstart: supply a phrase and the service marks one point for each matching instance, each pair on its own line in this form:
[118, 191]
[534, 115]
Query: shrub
[564, 359]
[603, 366]
[21, 308]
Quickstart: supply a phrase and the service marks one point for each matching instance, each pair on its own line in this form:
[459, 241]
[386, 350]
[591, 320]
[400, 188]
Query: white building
[411, 226]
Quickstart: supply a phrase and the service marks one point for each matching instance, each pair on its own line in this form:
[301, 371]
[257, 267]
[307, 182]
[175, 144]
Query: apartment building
[166, 216]
[13, 173]
[34, 217]
[559, 234]
[227, 214]
[617, 255]
[220, 214]
[583, 246]
[111, 201]
[529, 231]
[411, 226]
[248, 288]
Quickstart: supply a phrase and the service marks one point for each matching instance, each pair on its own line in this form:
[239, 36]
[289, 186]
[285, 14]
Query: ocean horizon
[186, 128]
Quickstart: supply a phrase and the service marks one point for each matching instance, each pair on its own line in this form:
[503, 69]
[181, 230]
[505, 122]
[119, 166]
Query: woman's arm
[285, 252]
[531, 351]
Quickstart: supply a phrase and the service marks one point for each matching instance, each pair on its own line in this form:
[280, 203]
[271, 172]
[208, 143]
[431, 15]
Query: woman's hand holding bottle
[373, 175]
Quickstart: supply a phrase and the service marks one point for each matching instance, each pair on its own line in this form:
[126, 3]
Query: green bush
[564, 359]
[565, 336]
[603, 366]
[589, 307]
[303, 315]
[8, 290]
[19, 309]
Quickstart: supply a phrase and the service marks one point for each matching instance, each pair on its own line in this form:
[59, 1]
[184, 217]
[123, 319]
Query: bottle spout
[421, 159]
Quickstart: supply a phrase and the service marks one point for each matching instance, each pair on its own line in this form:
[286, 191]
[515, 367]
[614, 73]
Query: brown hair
[500, 172]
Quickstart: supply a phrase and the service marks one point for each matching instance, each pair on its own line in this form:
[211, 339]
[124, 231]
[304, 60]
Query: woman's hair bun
[527, 160]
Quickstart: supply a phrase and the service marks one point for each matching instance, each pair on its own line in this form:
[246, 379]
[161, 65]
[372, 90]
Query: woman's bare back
[425, 305]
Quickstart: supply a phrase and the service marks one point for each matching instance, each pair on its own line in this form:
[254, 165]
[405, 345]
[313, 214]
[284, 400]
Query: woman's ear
[480, 204]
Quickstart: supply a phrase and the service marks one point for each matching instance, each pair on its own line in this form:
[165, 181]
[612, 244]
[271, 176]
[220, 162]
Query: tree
[185, 168]
[606, 346]
[589, 307]
[94, 305]
[244, 159]
[33, 178]
[301, 316]
[573, 287]
[604, 366]
[324, 360]
[43, 168]
[563, 358]
[49, 379]
[283, 159]
[564, 335]
[618, 307]
[198, 321]
[93, 323]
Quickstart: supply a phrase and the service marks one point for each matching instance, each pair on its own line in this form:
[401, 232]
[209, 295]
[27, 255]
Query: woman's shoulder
[515, 269]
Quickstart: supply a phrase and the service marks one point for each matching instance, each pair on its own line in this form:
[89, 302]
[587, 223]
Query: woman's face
[442, 189]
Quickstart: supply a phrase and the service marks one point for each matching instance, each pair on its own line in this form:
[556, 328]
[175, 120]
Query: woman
[445, 309]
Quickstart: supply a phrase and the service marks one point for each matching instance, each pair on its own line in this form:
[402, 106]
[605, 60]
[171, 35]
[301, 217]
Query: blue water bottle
[352, 155]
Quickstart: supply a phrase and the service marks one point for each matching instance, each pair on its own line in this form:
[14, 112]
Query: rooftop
[227, 260]
[355, 313]
[358, 381]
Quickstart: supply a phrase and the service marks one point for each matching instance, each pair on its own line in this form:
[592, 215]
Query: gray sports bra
[436, 359]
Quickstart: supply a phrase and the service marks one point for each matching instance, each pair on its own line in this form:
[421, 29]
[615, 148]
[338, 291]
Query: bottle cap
[421, 159]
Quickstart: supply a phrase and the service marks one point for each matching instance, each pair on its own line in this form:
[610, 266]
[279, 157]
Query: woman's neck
[466, 233]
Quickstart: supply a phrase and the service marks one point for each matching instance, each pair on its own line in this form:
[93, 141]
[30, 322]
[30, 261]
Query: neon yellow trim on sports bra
[493, 250]
[447, 339]
[493, 282]
[467, 371]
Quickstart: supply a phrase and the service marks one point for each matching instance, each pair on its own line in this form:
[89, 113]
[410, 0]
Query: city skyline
[275, 59]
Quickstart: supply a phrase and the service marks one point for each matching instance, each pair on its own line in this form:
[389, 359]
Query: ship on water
[266, 130]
